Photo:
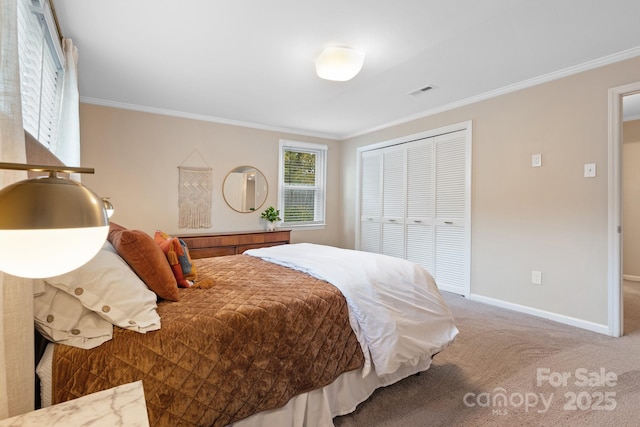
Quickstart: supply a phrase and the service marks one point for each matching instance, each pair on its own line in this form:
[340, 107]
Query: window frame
[41, 105]
[321, 151]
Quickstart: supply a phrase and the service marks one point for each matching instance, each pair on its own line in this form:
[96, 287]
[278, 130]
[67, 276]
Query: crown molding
[204, 118]
[565, 72]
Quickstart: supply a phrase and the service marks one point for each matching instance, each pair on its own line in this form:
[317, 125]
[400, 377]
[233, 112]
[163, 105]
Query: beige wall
[631, 199]
[136, 157]
[550, 218]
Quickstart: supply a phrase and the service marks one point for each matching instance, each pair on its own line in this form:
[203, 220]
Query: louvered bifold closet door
[415, 204]
[371, 201]
[450, 210]
[393, 201]
[420, 203]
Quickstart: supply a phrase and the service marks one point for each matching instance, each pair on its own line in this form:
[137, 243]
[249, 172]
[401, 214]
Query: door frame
[615, 220]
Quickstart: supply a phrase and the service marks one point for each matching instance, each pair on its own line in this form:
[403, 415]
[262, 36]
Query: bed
[288, 335]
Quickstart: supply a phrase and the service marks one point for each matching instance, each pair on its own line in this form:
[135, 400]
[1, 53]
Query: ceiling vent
[421, 90]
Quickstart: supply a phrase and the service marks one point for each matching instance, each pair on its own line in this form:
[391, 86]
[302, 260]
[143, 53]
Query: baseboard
[631, 278]
[567, 320]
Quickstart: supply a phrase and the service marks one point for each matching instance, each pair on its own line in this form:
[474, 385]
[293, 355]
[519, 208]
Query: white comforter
[395, 308]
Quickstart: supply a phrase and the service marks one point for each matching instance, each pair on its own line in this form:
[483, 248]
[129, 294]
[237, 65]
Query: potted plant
[271, 215]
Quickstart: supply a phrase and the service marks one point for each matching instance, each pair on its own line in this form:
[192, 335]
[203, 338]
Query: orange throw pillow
[173, 250]
[144, 257]
[189, 270]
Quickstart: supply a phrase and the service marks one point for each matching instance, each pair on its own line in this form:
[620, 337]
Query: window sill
[305, 227]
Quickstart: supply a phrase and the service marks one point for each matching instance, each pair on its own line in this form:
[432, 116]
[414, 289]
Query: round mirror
[245, 189]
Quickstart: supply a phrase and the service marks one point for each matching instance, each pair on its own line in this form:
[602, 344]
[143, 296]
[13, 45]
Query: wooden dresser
[221, 244]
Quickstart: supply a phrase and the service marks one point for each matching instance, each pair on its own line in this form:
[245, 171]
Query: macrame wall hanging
[194, 194]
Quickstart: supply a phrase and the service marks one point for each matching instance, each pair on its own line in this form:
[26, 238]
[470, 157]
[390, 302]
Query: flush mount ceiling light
[49, 225]
[339, 63]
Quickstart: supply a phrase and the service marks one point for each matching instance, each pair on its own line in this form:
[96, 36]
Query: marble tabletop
[120, 406]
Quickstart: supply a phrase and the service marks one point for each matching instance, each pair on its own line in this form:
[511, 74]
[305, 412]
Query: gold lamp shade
[108, 206]
[49, 225]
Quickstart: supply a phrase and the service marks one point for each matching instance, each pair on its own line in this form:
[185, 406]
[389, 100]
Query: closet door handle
[417, 221]
[448, 222]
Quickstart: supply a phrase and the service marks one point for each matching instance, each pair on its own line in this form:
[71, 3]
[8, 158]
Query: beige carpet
[498, 353]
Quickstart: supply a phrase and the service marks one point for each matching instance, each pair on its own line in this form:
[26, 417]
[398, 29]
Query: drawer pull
[448, 222]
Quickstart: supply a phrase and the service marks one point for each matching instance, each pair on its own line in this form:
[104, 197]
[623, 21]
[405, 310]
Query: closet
[414, 203]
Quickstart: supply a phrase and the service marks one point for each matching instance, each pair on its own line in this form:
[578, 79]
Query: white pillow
[107, 286]
[61, 318]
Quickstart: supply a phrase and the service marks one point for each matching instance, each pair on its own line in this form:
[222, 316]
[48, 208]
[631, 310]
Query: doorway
[619, 98]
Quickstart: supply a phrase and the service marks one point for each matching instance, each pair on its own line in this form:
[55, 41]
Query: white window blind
[302, 183]
[41, 70]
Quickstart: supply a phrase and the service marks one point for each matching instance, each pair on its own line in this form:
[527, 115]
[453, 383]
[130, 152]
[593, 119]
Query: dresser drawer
[212, 245]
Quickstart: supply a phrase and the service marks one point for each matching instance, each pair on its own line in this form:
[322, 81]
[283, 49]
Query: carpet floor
[512, 369]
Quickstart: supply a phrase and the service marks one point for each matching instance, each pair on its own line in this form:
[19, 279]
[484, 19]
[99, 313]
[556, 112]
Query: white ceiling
[251, 62]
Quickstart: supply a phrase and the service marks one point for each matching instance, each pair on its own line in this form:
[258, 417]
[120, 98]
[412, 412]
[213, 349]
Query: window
[41, 70]
[302, 182]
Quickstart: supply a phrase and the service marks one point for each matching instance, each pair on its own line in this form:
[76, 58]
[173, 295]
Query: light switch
[536, 160]
[589, 170]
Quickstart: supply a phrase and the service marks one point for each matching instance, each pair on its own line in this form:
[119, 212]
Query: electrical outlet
[590, 170]
[536, 277]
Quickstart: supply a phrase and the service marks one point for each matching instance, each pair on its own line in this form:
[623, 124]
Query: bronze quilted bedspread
[251, 336]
